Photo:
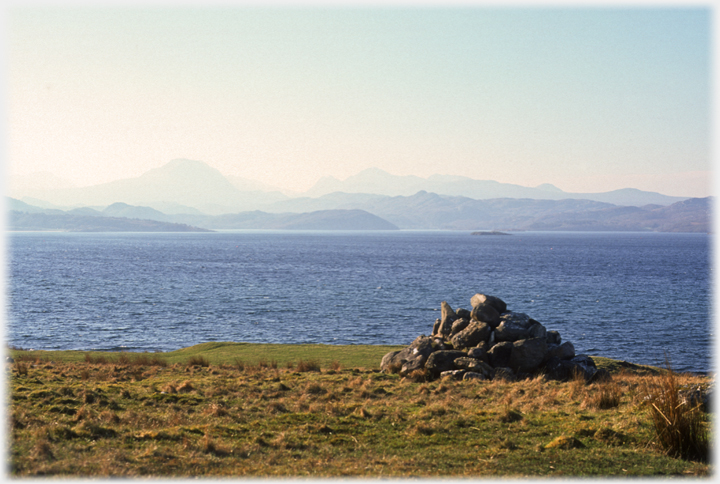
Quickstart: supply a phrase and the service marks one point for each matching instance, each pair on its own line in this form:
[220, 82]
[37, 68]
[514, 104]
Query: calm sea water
[632, 296]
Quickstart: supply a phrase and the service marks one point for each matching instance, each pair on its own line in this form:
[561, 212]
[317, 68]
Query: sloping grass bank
[229, 409]
[219, 353]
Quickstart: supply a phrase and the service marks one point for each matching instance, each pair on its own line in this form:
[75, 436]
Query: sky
[587, 99]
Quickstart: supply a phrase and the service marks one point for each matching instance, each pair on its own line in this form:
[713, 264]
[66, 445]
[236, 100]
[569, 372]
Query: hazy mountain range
[420, 211]
[121, 217]
[182, 185]
[191, 193]
[379, 182]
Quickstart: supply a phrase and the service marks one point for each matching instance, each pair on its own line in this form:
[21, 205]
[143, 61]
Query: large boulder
[480, 352]
[475, 366]
[471, 375]
[458, 325]
[564, 370]
[537, 330]
[557, 369]
[499, 354]
[495, 302]
[564, 351]
[586, 364]
[527, 354]
[408, 359]
[486, 314]
[447, 318]
[454, 374]
[475, 333]
[462, 313]
[439, 343]
[394, 360]
[441, 361]
[553, 338]
[513, 326]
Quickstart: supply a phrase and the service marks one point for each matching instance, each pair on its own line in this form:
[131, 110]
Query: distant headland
[489, 232]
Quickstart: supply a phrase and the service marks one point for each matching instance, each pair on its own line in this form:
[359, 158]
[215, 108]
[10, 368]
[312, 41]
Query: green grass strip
[217, 353]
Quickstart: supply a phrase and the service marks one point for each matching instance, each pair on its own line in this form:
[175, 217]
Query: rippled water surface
[631, 296]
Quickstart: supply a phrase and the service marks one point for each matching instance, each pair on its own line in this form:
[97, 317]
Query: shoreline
[369, 356]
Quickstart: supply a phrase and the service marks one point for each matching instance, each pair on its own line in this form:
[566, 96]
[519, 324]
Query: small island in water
[489, 232]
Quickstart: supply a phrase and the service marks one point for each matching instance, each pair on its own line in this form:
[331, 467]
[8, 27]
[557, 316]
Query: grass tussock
[198, 361]
[603, 396]
[680, 425]
[140, 359]
[307, 365]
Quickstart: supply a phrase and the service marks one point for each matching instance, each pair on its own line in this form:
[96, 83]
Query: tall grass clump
[679, 425]
[308, 365]
[605, 395]
[198, 361]
[147, 360]
[96, 359]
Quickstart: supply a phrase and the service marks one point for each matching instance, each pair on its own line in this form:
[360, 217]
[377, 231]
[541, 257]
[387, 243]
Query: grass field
[241, 410]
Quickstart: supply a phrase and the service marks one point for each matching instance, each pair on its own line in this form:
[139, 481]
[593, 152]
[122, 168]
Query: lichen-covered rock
[458, 325]
[480, 352]
[438, 344]
[475, 333]
[440, 361]
[499, 354]
[436, 327]
[495, 302]
[513, 326]
[487, 314]
[408, 359]
[471, 375]
[447, 318]
[454, 374]
[476, 366]
[490, 337]
[462, 313]
[527, 354]
[393, 361]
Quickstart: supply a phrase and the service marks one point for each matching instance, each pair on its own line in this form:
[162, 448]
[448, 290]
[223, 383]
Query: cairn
[489, 343]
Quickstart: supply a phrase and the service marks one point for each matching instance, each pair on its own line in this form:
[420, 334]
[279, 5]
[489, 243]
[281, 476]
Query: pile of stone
[487, 343]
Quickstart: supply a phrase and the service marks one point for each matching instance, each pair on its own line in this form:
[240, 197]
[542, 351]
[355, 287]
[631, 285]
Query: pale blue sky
[589, 99]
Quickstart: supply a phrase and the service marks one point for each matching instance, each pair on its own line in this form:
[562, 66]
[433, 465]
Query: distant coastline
[489, 232]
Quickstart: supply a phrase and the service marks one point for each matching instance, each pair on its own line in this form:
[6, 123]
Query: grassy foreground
[233, 409]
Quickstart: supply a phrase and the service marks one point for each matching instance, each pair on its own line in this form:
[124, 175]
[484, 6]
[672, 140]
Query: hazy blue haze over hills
[432, 211]
[420, 211]
[185, 182]
[376, 181]
[67, 222]
[192, 193]
[193, 184]
[124, 217]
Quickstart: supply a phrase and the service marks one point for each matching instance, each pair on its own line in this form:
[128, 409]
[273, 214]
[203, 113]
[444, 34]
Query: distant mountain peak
[186, 173]
[373, 170]
[549, 187]
[185, 166]
[379, 182]
[117, 205]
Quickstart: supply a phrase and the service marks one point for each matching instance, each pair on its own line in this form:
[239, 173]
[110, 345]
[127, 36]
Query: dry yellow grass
[108, 419]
